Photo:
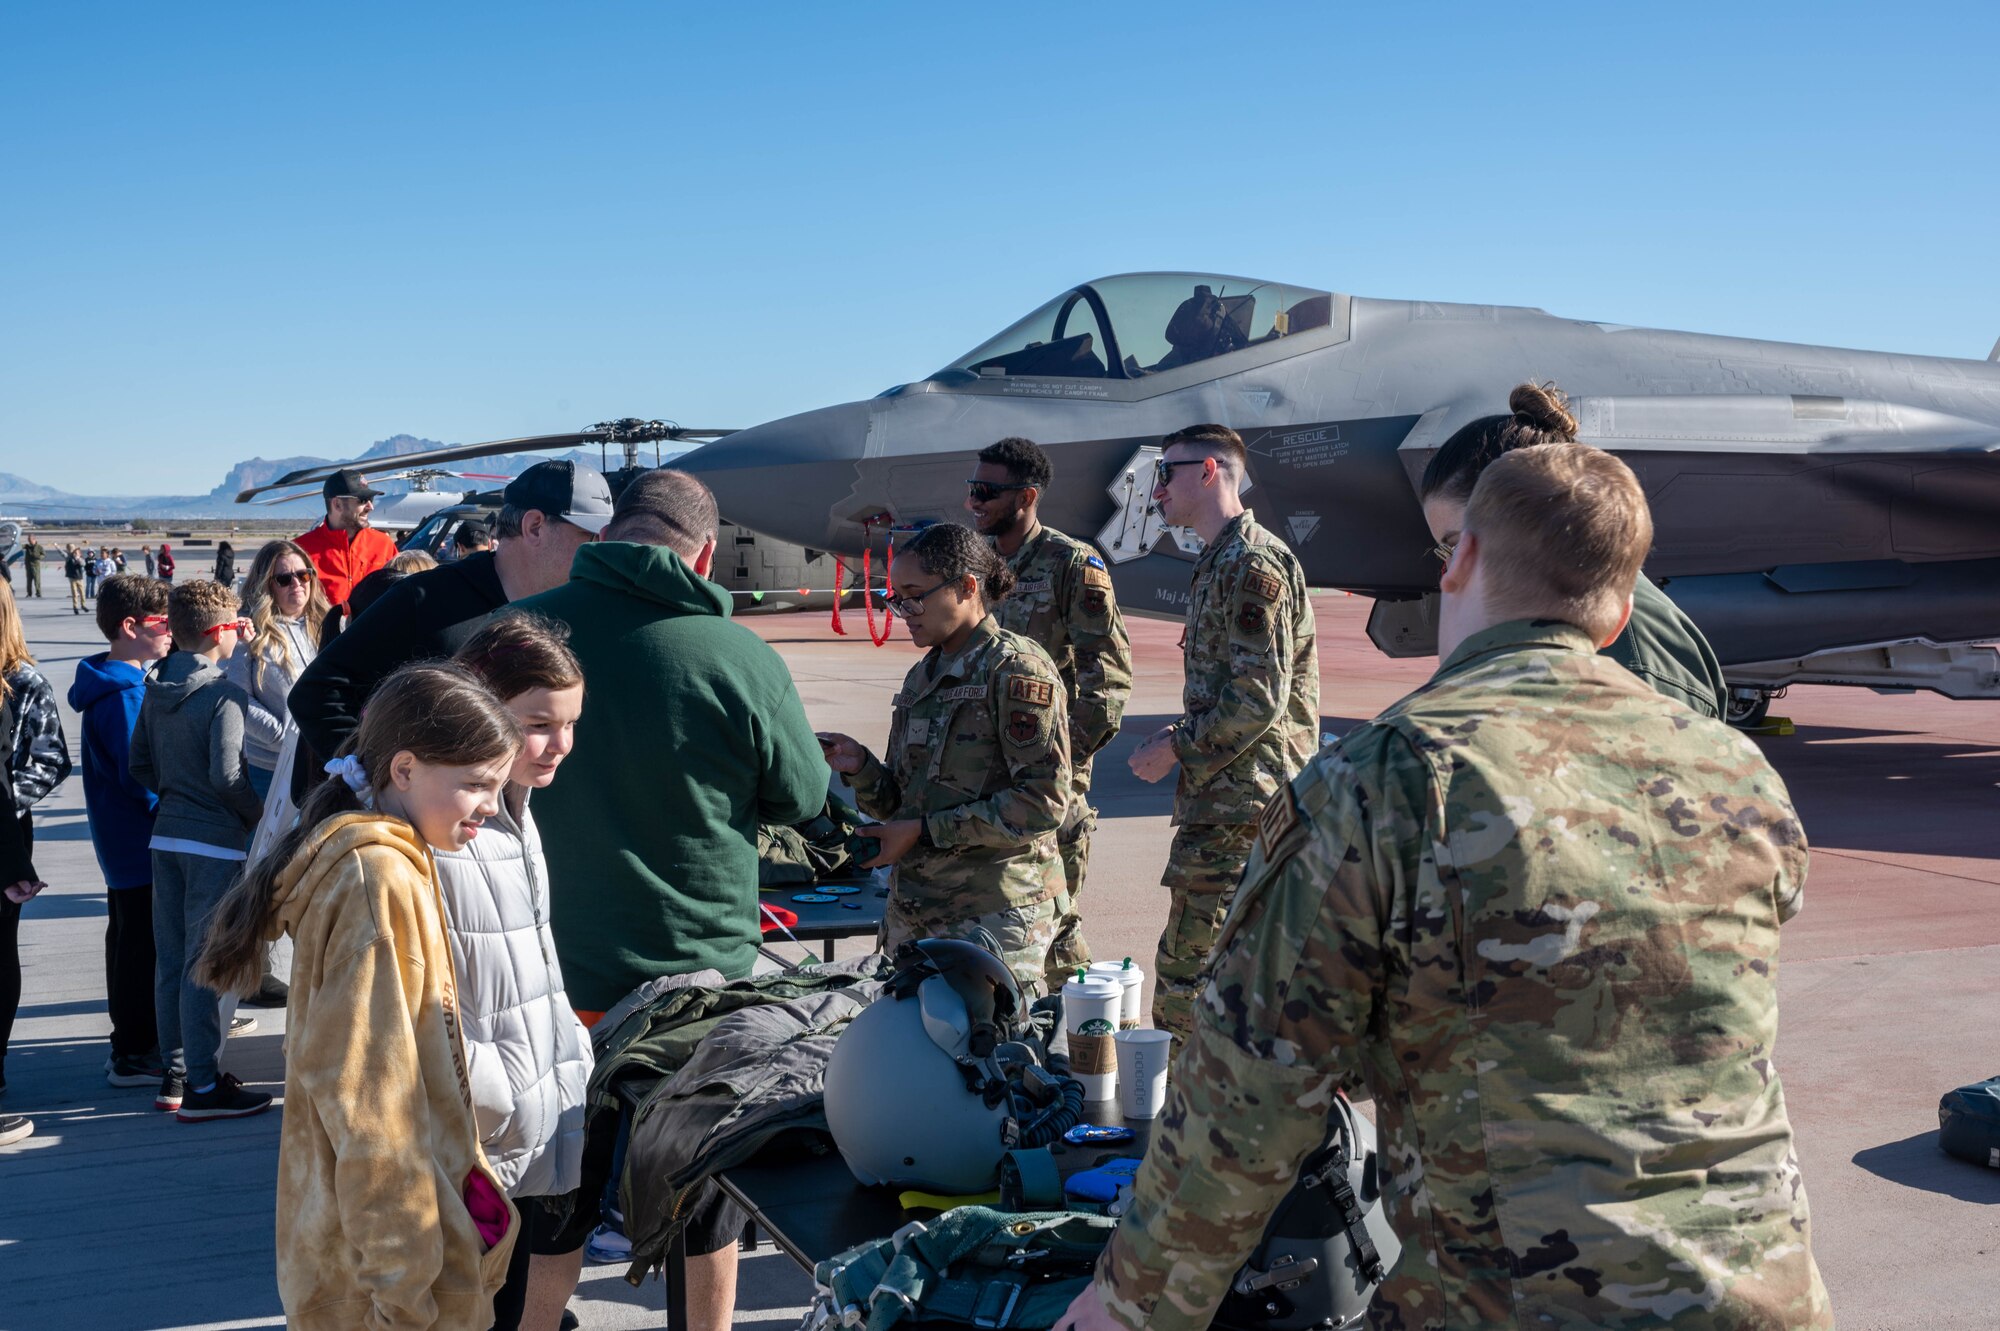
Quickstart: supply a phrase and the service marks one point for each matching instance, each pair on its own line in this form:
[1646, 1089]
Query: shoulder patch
[1261, 584]
[1095, 575]
[1277, 821]
[1034, 692]
[1093, 561]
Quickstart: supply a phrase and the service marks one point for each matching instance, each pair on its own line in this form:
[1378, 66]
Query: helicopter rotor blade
[605, 432]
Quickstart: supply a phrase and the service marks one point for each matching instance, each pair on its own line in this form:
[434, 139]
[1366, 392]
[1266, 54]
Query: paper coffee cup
[1090, 1015]
[1132, 980]
[1142, 1071]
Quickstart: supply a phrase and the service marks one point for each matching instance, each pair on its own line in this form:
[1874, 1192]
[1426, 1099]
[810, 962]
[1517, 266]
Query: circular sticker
[1095, 1026]
[814, 898]
[1085, 1134]
[839, 890]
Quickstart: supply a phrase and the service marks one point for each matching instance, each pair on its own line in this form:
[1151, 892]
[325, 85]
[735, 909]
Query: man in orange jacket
[344, 549]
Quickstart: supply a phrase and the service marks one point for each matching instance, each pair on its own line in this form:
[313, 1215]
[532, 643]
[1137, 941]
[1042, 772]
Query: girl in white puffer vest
[529, 1055]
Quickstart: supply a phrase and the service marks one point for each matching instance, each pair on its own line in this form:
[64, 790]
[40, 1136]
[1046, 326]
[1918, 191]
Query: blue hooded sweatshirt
[107, 695]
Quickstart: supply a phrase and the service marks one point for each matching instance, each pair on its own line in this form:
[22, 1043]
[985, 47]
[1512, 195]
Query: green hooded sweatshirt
[692, 735]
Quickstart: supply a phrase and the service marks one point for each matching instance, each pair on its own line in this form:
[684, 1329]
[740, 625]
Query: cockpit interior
[1143, 323]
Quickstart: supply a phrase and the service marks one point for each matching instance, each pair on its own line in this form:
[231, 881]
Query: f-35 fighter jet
[1825, 515]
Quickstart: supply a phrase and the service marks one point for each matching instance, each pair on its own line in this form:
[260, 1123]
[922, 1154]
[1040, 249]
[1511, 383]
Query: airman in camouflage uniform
[1251, 722]
[979, 751]
[1062, 599]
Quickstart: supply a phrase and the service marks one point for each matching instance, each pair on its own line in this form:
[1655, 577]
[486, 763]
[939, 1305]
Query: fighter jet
[1825, 515]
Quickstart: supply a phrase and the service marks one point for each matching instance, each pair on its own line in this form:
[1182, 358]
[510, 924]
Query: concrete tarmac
[115, 1217]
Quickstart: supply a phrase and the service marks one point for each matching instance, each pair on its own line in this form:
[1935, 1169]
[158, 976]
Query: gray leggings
[186, 889]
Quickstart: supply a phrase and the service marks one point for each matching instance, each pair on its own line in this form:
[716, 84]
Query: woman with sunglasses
[976, 778]
[285, 606]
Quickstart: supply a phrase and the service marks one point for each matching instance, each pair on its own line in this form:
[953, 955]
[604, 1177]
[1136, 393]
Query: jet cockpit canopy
[1138, 324]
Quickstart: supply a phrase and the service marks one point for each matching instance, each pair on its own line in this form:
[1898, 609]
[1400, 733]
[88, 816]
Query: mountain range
[23, 498]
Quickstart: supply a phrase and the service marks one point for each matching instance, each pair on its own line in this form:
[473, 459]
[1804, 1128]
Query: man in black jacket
[547, 512]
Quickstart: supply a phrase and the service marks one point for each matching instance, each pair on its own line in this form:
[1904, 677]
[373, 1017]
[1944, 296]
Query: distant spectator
[147, 551]
[471, 537]
[343, 547]
[285, 605]
[188, 750]
[413, 561]
[92, 569]
[109, 687]
[118, 557]
[32, 555]
[225, 564]
[549, 511]
[73, 570]
[166, 563]
[36, 758]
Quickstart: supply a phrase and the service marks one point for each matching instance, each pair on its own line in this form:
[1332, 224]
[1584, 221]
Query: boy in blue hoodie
[132, 615]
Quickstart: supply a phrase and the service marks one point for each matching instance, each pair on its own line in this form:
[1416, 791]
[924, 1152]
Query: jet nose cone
[783, 477]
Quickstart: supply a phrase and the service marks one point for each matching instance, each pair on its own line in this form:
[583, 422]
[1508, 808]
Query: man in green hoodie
[698, 736]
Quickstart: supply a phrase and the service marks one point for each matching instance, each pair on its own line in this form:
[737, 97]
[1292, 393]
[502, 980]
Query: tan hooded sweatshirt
[378, 1136]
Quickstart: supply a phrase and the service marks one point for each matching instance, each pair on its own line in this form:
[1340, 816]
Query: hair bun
[1544, 407]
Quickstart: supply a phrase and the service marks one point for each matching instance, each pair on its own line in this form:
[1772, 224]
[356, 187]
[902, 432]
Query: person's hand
[22, 892]
[1155, 758]
[896, 839]
[844, 754]
[1088, 1313]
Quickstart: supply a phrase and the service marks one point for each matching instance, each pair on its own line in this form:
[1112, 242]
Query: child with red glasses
[132, 616]
[188, 749]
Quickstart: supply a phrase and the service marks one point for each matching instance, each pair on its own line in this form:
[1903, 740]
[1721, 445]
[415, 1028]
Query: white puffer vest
[530, 1058]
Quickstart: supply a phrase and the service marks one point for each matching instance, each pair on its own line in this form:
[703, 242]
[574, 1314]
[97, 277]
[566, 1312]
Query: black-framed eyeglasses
[1445, 548]
[987, 491]
[914, 605]
[1163, 470]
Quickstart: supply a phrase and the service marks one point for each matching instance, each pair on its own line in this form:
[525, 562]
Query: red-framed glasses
[217, 630]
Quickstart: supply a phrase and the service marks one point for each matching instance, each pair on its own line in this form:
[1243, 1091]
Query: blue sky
[263, 230]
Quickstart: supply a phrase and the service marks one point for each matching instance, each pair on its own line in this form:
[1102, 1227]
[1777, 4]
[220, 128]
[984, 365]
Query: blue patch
[1093, 561]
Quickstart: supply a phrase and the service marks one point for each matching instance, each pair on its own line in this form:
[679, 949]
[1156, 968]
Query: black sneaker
[225, 1099]
[569, 1322]
[13, 1128]
[272, 993]
[172, 1090]
[133, 1070]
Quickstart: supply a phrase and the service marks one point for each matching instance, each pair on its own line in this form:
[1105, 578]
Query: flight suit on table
[1062, 599]
[1250, 723]
[979, 750]
[1535, 906]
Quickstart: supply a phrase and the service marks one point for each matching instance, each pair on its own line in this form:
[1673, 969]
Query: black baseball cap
[568, 490]
[348, 484]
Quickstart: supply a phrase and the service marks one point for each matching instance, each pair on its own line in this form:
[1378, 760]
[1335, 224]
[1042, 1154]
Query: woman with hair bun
[1660, 644]
[976, 777]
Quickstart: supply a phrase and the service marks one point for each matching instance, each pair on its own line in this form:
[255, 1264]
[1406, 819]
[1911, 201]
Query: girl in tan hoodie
[388, 1213]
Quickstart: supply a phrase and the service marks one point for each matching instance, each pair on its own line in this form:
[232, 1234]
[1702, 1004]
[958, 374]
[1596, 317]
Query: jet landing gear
[1748, 706]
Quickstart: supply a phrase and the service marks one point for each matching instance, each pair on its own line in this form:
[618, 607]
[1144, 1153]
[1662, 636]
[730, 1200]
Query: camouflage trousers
[1203, 869]
[1024, 933]
[1070, 950]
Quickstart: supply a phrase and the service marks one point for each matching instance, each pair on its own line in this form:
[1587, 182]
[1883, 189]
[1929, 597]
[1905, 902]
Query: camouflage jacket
[1251, 691]
[1535, 905]
[1063, 600]
[978, 749]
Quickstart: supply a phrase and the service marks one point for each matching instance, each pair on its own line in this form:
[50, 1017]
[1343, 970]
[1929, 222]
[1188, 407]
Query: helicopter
[761, 574]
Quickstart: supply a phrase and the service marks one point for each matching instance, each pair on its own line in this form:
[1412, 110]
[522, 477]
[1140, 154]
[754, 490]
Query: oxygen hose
[1058, 1118]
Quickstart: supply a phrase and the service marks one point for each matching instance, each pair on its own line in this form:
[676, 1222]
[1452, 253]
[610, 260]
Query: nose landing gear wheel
[1748, 708]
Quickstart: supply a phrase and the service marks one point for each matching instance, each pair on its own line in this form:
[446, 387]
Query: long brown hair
[13, 641]
[437, 710]
[270, 645]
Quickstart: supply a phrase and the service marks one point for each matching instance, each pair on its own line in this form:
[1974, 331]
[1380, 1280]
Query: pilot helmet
[915, 1096]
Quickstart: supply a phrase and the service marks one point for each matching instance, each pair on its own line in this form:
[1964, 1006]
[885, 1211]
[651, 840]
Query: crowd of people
[1542, 892]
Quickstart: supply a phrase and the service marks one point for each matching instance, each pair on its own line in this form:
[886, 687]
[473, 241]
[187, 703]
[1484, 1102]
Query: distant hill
[29, 499]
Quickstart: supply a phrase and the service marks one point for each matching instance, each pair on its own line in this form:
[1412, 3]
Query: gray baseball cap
[567, 490]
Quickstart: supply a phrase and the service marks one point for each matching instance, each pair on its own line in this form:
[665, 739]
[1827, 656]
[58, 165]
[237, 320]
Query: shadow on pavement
[1918, 1162]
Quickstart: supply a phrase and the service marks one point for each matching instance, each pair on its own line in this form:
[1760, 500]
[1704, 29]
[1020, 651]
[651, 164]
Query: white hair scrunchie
[350, 770]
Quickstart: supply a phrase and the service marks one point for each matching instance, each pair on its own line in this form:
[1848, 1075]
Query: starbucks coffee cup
[1132, 981]
[1090, 1015]
[1142, 1071]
